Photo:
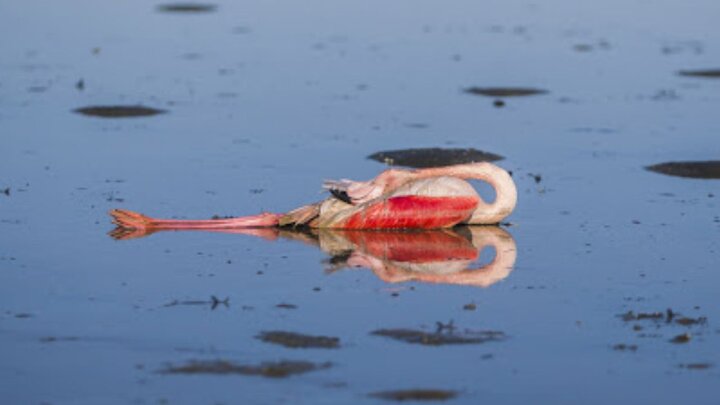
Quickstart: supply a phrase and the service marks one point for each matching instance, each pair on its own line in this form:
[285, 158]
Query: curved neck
[499, 179]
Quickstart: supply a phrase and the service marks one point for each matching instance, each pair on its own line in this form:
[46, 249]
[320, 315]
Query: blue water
[268, 99]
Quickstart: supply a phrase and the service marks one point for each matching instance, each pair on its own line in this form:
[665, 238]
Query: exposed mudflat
[299, 340]
[433, 157]
[707, 73]
[279, 369]
[415, 395]
[502, 92]
[187, 8]
[118, 111]
[697, 170]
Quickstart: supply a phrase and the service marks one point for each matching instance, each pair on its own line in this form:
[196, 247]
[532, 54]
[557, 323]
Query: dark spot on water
[498, 103]
[622, 347]
[696, 366]
[582, 48]
[6, 191]
[685, 321]
[504, 91]
[415, 395]
[187, 8]
[284, 305]
[280, 369]
[699, 170]
[298, 340]
[80, 85]
[632, 316]
[119, 111]
[680, 339]
[433, 157]
[53, 339]
[438, 338]
[24, 315]
[470, 307]
[707, 73]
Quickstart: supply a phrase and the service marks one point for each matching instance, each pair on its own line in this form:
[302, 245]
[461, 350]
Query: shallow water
[265, 100]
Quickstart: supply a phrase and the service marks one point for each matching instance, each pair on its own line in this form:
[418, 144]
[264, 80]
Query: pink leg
[133, 220]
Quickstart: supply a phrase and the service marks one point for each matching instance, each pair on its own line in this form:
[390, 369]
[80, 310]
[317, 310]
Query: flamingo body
[396, 199]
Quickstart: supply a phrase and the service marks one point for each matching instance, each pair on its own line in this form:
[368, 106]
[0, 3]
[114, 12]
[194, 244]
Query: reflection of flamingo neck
[499, 179]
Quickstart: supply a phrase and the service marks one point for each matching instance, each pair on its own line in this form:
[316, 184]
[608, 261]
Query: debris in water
[699, 170]
[679, 339]
[621, 347]
[696, 366]
[415, 395]
[685, 321]
[470, 307]
[298, 340]
[187, 8]
[80, 85]
[433, 157]
[280, 369]
[53, 339]
[632, 316]
[214, 302]
[504, 91]
[706, 73]
[438, 339]
[119, 111]
[284, 305]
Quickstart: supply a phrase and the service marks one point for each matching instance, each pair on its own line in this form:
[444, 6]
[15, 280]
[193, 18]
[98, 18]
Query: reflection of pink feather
[420, 199]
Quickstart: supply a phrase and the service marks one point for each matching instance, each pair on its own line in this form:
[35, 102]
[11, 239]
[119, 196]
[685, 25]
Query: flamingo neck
[499, 179]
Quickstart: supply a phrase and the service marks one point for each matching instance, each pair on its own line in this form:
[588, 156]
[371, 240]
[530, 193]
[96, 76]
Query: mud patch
[433, 157]
[280, 369]
[119, 111]
[54, 339]
[440, 338]
[698, 170]
[186, 8]
[298, 340]
[696, 366]
[415, 395]
[505, 91]
[707, 73]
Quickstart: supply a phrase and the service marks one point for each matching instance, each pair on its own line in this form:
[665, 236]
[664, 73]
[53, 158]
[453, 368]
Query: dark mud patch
[188, 8]
[433, 157]
[55, 339]
[706, 73]
[119, 111]
[622, 347]
[415, 395]
[280, 369]
[298, 340]
[440, 338]
[697, 170]
[504, 91]
[681, 339]
[696, 366]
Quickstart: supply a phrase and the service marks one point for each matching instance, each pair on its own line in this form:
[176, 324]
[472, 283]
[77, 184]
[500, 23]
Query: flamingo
[433, 198]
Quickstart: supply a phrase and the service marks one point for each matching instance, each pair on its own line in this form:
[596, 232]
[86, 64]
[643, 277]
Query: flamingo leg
[133, 220]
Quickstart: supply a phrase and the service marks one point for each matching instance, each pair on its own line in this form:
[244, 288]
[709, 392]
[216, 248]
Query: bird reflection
[448, 256]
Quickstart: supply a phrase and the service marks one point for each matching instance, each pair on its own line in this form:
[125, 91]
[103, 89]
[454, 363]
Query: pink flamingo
[396, 199]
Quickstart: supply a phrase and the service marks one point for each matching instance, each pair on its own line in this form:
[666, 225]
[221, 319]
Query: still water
[258, 103]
